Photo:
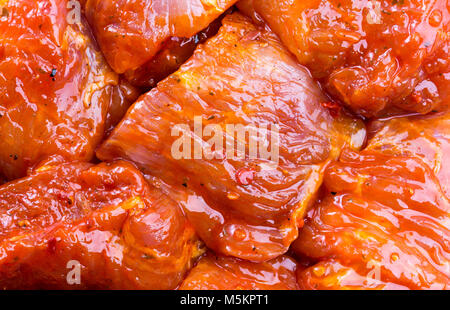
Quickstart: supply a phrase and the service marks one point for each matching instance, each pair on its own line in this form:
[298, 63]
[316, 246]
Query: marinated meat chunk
[426, 137]
[199, 145]
[172, 54]
[241, 91]
[370, 54]
[149, 39]
[225, 273]
[384, 224]
[57, 91]
[103, 221]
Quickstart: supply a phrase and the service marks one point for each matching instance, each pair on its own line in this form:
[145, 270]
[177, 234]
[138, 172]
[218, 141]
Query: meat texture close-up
[241, 205]
[105, 220]
[369, 54]
[225, 273]
[149, 39]
[224, 145]
[425, 137]
[384, 221]
[58, 94]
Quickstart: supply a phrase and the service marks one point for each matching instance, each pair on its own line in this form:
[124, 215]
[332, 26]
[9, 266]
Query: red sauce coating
[58, 93]
[172, 54]
[241, 76]
[226, 273]
[383, 223]
[376, 218]
[131, 32]
[425, 137]
[123, 233]
[371, 55]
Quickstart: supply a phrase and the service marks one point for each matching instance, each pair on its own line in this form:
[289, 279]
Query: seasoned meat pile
[224, 145]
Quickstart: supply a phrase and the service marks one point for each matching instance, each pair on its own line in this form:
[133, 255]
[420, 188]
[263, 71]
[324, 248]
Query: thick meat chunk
[123, 233]
[172, 54]
[371, 54]
[384, 224]
[225, 273]
[242, 203]
[58, 93]
[149, 39]
[387, 225]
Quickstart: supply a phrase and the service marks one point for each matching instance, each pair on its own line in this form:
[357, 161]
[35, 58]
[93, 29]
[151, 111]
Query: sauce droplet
[233, 196]
[239, 234]
[318, 271]
[435, 18]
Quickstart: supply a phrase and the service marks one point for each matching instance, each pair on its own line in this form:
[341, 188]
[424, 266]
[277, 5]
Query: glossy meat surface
[125, 234]
[57, 93]
[225, 273]
[244, 206]
[332, 275]
[172, 54]
[318, 129]
[370, 55]
[383, 224]
[132, 32]
[425, 137]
